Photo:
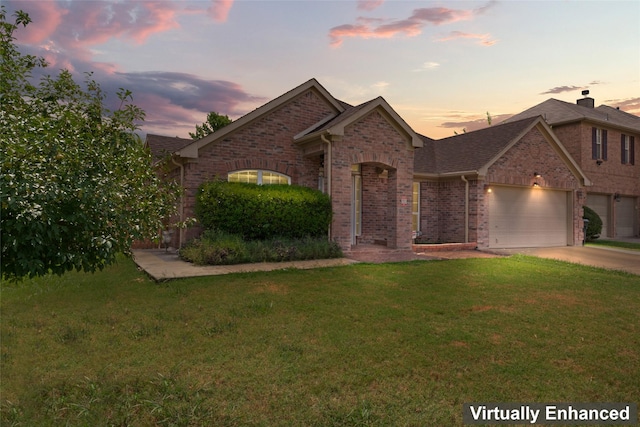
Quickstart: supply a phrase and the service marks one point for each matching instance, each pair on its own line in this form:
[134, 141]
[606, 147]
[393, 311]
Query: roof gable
[475, 152]
[337, 125]
[191, 150]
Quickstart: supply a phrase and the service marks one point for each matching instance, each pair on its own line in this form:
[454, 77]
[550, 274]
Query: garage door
[625, 213]
[600, 204]
[527, 217]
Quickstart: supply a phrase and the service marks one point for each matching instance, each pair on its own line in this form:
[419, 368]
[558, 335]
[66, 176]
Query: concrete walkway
[166, 265]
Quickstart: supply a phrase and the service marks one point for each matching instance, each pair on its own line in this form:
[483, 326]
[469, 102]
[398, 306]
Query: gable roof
[474, 152]
[470, 151]
[337, 124]
[162, 146]
[557, 112]
[191, 150]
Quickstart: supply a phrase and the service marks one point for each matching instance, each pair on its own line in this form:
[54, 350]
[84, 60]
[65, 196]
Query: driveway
[610, 258]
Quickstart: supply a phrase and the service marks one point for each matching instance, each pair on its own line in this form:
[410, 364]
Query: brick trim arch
[264, 164]
[373, 157]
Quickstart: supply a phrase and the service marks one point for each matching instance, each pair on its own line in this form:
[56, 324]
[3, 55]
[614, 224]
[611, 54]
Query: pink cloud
[410, 27]
[369, 4]
[483, 39]
[219, 9]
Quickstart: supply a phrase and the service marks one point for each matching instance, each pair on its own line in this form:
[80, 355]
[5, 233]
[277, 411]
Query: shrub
[261, 212]
[219, 248]
[594, 228]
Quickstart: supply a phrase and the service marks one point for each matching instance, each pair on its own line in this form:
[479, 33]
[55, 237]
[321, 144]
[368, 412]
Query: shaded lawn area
[615, 244]
[386, 344]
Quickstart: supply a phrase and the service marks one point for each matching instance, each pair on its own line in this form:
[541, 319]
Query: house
[509, 185]
[602, 140]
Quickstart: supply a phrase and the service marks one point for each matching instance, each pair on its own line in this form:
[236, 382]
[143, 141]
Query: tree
[77, 186]
[214, 122]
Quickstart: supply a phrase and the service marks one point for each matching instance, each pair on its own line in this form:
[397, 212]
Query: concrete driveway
[610, 258]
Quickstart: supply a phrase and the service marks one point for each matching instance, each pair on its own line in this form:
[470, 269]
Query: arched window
[258, 176]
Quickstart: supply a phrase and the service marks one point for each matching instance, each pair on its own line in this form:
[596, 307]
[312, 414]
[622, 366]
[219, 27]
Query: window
[598, 144]
[627, 149]
[258, 176]
[415, 208]
[356, 213]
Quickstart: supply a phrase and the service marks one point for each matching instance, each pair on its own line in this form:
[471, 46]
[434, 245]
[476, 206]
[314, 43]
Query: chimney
[586, 101]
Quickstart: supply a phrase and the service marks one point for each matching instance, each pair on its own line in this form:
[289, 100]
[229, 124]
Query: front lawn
[387, 344]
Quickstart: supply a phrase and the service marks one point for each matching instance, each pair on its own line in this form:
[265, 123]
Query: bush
[594, 228]
[258, 212]
[220, 248]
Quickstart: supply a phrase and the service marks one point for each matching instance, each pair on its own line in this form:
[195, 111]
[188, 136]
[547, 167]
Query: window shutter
[622, 150]
[594, 147]
[632, 150]
[604, 144]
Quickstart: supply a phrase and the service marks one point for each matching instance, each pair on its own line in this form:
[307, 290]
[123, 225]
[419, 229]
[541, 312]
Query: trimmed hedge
[594, 228]
[258, 212]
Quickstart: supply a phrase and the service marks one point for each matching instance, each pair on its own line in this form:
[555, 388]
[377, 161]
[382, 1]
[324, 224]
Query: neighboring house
[509, 185]
[603, 141]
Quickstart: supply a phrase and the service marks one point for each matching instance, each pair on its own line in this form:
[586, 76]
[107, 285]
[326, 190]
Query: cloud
[427, 66]
[219, 10]
[369, 4]
[628, 105]
[483, 39]
[410, 27]
[560, 89]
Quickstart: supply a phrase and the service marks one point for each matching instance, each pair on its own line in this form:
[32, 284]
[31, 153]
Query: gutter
[328, 166]
[466, 209]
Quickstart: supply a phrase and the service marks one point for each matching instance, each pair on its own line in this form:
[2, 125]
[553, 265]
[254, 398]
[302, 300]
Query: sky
[442, 65]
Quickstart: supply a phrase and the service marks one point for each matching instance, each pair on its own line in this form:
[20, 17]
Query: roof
[470, 151]
[556, 112]
[337, 124]
[162, 146]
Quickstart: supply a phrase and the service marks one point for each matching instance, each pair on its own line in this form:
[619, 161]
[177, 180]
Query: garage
[625, 216]
[527, 217]
[600, 204]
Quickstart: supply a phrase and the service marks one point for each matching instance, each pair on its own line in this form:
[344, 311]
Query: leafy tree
[214, 122]
[77, 186]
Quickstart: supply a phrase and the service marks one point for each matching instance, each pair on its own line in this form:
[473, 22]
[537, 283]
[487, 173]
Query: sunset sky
[442, 65]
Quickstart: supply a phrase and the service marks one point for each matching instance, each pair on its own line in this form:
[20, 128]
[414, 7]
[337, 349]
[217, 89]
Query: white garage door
[527, 217]
[600, 204]
[625, 213]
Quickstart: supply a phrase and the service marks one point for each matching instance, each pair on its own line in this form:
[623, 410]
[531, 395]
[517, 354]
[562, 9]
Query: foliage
[77, 186]
[220, 248]
[214, 122]
[594, 228]
[397, 344]
[263, 211]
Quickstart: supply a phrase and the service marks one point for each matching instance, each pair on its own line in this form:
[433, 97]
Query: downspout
[181, 205]
[466, 209]
[328, 167]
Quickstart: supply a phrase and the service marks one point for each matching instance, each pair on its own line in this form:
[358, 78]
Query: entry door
[600, 204]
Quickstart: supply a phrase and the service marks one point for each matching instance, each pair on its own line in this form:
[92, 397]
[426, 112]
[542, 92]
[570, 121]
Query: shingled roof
[162, 146]
[471, 151]
[556, 112]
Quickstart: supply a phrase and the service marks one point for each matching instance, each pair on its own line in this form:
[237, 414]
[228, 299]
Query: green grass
[368, 345]
[615, 244]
